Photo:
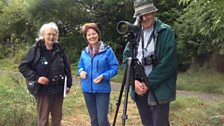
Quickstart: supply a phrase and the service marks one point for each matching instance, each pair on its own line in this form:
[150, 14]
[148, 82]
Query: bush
[16, 108]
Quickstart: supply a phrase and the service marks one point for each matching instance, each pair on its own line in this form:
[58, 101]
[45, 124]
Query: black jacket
[29, 66]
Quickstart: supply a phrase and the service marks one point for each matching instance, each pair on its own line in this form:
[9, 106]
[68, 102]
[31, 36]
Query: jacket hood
[40, 44]
[102, 47]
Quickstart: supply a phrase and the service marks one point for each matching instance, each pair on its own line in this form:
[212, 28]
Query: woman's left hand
[98, 79]
[67, 90]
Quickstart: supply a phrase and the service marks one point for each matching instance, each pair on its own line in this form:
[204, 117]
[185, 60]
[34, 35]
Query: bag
[33, 87]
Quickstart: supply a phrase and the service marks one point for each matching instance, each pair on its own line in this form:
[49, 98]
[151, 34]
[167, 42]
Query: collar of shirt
[149, 30]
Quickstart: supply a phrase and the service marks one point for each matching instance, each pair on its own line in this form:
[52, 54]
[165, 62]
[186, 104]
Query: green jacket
[162, 79]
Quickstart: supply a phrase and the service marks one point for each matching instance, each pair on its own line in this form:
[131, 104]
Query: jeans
[152, 115]
[98, 105]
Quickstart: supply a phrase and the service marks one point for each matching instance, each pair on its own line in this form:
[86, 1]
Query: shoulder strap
[36, 56]
[63, 56]
[37, 52]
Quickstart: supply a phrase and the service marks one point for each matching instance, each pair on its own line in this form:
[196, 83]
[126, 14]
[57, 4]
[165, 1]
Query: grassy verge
[206, 81]
[18, 108]
[9, 65]
[185, 111]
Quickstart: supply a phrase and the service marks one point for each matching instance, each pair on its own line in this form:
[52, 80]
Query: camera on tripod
[124, 27]
[149, 60]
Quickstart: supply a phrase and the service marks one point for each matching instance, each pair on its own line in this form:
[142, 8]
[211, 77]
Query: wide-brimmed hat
[143, 7]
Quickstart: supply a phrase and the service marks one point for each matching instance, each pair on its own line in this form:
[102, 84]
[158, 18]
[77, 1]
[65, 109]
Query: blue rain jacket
[103, 63]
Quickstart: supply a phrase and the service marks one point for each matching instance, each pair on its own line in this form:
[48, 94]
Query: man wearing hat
[157, 52]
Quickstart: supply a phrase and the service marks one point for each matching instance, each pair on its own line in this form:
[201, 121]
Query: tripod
[127, 80]
[133, 71]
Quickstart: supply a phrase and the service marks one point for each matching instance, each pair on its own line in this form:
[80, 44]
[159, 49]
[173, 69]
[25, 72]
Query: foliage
[70, 15]
[67, 14]
[14, 23]
[17, 106]
[27, 16]
[169, 11]
[200, 29]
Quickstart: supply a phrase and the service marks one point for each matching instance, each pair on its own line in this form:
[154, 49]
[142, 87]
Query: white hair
[46, 26]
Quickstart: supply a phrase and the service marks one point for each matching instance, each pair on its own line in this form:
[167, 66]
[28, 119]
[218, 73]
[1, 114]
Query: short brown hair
[87, 26]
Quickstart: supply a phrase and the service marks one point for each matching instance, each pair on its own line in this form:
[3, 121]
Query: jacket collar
[102, 47]
[40, 44]
[160, 25]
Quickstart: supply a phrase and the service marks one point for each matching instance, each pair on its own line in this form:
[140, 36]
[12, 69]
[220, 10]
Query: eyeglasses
[50, 34]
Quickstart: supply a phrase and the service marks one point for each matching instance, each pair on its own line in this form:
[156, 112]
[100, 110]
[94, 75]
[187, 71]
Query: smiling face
[147, 20]
[92, 36]
[50, 36]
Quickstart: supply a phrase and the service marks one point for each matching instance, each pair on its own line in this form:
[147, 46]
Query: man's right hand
[43, 80]
[140, 88]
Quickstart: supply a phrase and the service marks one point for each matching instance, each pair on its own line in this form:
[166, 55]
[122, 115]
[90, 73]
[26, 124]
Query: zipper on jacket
[97, 66]
[91, 74]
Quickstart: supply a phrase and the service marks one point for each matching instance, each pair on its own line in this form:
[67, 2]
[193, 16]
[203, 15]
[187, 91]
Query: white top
[148, 49]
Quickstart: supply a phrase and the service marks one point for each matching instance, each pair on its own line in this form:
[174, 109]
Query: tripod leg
[127, 87]
[125, 83]
[120, 96]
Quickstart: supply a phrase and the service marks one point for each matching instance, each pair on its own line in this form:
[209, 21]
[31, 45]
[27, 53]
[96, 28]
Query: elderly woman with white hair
[46, 64]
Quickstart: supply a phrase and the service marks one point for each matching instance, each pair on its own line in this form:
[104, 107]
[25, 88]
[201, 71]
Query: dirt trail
[203, 96]
[117, 87]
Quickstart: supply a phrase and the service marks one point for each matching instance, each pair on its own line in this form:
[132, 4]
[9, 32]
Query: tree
[12, 24]
[200, 29]
[70, 15]
[28, 16]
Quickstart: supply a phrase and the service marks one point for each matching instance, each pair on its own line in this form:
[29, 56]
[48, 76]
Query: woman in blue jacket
[97, 65]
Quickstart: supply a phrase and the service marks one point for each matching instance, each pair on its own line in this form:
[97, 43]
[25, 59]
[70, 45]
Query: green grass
[119, 77]
[16, 104]
[185, 111]
[9, 65]
[12, 63]
[19, 109]
[205, 81]
[202, 81]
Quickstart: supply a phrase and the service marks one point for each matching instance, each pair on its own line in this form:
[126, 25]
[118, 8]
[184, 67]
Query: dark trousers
[46, 105]
[98, 105]
[152, 115]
